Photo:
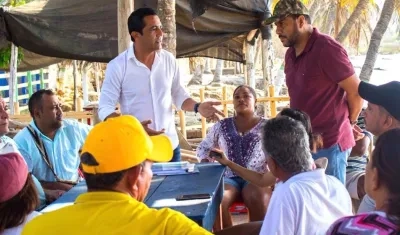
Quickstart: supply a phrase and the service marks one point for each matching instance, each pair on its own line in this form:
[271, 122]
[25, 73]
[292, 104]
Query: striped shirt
[359, 163]
[375, 222]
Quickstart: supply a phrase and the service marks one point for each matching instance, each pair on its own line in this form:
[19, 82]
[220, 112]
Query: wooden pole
[182, 119]
[250, 65]
[244, 65]
[16, 108]
[166, 12]
[125, 8]
[97, 78]
[85, 86]
[203, 120]
[29, 76]
[13, 80]
[267, 65]
[225, 97]
[273, 103]
[41, 79]
[75, 75]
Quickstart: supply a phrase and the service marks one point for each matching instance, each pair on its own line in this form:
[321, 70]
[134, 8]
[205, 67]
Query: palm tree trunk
[250, 66]
[267, 66]
[166, 12]
[198, 66]
[218, 71]
[75, 75]
[13, 79]
[313, 9]
[329, 18]
[376, 37]
[125, 8]
[337, 18]
[344, 32]
[207, 66]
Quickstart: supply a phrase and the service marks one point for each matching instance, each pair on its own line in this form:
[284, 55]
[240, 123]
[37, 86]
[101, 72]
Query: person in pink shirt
[381, 184]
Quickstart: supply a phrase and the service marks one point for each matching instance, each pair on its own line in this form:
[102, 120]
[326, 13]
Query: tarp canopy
[52, 30]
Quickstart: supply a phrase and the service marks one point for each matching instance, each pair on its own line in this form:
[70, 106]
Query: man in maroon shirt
[321, 82]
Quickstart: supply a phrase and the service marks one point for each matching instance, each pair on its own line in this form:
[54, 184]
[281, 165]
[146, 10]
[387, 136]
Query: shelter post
[13, 80]
[125, 8]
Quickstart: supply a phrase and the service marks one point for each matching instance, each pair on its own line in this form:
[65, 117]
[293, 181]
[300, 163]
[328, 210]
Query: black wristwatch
[196, 107]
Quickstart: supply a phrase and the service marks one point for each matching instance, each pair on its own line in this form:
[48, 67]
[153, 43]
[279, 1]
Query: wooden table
[164, 190]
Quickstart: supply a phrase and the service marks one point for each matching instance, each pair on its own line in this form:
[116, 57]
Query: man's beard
[292, 40]
[56, 124]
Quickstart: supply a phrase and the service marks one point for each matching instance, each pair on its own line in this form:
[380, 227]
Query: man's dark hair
[307, 17]
[35, 101]
[136, 20]
[103, 181]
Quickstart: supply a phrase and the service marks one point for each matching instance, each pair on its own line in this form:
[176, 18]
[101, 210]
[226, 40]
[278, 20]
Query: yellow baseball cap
[120, 143]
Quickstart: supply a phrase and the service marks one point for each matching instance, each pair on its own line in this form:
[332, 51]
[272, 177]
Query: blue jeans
[238, 182]
[177, 155]
[337, 161]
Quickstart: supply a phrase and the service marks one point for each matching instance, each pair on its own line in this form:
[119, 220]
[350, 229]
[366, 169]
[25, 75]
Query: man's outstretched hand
[150, 131]
[208, 110]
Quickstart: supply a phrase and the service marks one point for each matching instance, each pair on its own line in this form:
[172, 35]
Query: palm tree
[218, 71]
[361, 6]
[377, 34]
[166, 12]
[197, 68]
[345, 14]
[75, 75]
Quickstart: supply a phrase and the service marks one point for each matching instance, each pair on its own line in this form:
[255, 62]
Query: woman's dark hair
[315, 139]
[14, 211]
[251, 89]
[386, 159]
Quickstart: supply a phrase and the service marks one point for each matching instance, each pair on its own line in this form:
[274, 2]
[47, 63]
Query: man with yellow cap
[116, 161]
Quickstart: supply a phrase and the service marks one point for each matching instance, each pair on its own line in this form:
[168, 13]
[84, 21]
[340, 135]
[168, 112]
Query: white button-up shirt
[144, 93]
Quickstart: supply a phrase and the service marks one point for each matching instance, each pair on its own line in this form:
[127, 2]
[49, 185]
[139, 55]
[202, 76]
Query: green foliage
[16, 3]
[5, 53]
[5, 56]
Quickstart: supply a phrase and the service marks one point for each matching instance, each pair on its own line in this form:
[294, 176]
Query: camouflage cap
[285, 8]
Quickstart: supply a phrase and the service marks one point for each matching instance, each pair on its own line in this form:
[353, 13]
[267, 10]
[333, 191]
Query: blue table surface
[164, 190]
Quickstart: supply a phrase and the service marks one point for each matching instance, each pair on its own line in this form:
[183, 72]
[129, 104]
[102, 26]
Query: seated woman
[8, 145]
[381, 184]
[18, 195]
[239, 138]
[267, 179]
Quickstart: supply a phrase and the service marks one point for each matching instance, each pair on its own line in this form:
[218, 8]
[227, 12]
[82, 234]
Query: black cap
[386, 95]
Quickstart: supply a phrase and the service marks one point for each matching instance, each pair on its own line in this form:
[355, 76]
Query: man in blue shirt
[50, 145]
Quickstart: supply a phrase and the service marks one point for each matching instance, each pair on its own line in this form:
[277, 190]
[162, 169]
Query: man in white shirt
[306, 201]
[145, 80]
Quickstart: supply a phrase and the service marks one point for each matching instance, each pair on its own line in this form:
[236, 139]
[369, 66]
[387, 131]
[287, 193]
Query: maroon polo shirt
[312, 79]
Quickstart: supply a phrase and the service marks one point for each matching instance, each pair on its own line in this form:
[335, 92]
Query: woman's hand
[219, 156]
